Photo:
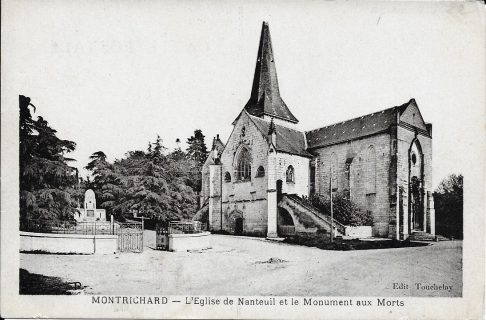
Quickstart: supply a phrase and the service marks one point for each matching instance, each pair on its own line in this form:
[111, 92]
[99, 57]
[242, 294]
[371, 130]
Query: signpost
[332, 212]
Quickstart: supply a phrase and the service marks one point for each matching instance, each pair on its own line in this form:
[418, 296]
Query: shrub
[449, 206]
[344, 210]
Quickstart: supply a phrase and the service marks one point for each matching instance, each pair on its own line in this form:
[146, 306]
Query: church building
[256, 183]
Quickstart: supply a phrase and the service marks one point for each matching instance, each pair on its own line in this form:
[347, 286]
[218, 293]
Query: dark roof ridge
[289, 140]
[276, 124]
[365, 115]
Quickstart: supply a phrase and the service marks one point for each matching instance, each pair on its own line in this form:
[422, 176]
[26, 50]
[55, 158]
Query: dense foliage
[46, 181]
[344, 210]
[149, 183]
[198, 152]
[153, 183]
[196, 148]
[449, 207]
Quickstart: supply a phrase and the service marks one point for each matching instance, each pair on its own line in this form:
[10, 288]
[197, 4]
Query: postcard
[269, 160]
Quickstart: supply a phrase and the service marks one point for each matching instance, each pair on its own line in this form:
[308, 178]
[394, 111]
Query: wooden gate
[130, 237]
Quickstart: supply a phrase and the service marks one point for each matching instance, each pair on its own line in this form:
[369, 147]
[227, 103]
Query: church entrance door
[239, 226]
[416, 205]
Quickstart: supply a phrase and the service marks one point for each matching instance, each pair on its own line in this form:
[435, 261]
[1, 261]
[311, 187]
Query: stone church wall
[405, 137]
[204, 183]
[367, 181]
[245, 199]
[300, 186]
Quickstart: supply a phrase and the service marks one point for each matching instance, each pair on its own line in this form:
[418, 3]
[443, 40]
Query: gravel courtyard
[244, 266]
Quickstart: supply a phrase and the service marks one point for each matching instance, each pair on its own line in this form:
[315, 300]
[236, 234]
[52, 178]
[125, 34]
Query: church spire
[265, 95]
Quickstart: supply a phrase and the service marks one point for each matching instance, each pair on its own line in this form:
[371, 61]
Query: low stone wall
[358, 232]
[68, 243]
[189, 241]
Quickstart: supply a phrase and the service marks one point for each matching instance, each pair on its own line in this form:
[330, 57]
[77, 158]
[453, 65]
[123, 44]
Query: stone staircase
[311, 213]
[424, 236]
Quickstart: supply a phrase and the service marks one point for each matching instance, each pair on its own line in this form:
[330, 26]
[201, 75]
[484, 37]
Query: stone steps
[301, 206]
[424, 236]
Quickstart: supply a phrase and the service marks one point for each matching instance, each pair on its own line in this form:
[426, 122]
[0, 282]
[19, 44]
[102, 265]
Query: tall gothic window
[370, 171]
[334, 171]
[347, 175]
[290, 174]
[243, 170]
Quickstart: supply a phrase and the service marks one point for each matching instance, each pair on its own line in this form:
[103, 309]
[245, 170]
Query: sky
[112, 75]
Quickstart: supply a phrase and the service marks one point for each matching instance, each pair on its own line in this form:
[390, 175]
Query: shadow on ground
[323, 242]
[37, 284]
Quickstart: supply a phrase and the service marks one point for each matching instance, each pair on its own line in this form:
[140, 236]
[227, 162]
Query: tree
[152, 184]
[344, 210]
[449, 201]
[158, 148]
[197, 149]
[97, 159]
[178, 154]
[46, 181]
[198, 152]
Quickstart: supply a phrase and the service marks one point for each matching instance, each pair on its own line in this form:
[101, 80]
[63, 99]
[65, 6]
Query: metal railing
[70, 227]
[286, 230]
[184, 227]
[175, 227]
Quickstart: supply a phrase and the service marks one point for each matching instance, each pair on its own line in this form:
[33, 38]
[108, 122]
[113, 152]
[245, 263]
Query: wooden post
[332, 212]
[112, 226]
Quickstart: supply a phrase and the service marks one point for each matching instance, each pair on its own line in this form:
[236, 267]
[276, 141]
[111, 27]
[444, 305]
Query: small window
[243, 131]
[290, 174]
[346, 194]
[227, 177]
[414, 158]
[260, 172]
[90, 213]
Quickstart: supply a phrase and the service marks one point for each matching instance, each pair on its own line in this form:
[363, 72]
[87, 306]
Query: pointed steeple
[265, 95]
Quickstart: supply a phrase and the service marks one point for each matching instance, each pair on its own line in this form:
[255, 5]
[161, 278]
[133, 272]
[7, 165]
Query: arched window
[347, 174]
[290, 174]
[243, 170]
[370, 171]
[260, 172]
[227, 177]
[416, 159]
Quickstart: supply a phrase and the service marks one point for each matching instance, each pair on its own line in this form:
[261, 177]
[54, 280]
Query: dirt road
[240, 266]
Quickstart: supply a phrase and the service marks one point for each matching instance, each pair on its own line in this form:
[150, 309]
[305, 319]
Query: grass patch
[58, 253]
[322, 241]
[38, 284]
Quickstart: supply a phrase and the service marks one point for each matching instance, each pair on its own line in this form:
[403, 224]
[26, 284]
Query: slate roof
[288, 140]
[355, 128]
[265, 96]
